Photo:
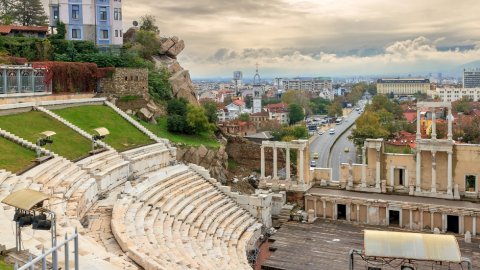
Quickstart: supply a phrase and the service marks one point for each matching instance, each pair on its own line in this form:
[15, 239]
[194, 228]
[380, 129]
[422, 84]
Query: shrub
[177, 107]
[178, 124]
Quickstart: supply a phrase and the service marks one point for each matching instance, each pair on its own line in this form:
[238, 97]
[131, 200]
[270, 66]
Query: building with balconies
[99, 21]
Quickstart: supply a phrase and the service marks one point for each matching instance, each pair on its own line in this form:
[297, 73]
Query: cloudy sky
[317, 37]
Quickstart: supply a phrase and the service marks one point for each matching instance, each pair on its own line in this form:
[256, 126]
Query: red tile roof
[277, 106]
[6, 29]
[239, 102]
[410, 116]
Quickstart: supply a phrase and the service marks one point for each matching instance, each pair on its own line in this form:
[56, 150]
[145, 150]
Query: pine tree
[29, 12]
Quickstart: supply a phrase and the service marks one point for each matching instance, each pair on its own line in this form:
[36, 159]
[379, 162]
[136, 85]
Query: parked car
[315, 155]
[313, 163]
[331, 131]
[346, 150]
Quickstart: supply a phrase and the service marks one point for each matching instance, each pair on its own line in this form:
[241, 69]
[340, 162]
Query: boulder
[145, 114]
[172, 46]
[182, 86]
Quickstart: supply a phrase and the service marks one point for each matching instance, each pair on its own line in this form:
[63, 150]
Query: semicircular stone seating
[176, 219]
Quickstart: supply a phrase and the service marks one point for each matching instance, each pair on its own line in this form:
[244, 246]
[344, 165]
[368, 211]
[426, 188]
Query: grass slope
[123, 135]
[191, 140]
[28, 125]
[14, 157]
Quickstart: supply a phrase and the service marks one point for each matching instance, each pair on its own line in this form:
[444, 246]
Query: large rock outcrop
[215, 161]
[180, 80]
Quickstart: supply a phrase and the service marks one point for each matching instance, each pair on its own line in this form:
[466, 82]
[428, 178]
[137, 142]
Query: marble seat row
[148, 158]
[109, 169]
[176, 219]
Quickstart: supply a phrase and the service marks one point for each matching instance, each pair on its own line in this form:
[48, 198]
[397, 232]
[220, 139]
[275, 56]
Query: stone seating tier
[176, 219]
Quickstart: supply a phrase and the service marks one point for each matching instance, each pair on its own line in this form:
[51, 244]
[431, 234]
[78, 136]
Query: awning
[48, 133]
[101, 131]
[415, 246]
[25, 199]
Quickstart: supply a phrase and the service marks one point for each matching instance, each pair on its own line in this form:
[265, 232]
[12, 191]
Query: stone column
[421, 219]
[300, 166]
[419, 172]
[275, 169]
[287, 165]
[324, 209]
[387, 216]
[434, 125]
[368, 212]
[377, 170]
[474, 225]
[347, 208]
[410, 219]
[419, 132]
[461, 225]
[392, 175]
[335, 211]
[449, 123]
[358, 213]
[449, 174]
[444, 222]
[432, 226]
[434, 172]
[262, 162]
[364, 167]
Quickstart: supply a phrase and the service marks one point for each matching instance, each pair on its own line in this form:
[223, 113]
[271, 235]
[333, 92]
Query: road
[323, 143]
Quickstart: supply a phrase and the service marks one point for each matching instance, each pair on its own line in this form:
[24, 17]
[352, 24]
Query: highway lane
[323, 143]
[339, 156]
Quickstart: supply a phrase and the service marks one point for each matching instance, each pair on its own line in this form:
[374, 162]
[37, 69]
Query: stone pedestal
[384, 186]
[456, 193]
[311, 216]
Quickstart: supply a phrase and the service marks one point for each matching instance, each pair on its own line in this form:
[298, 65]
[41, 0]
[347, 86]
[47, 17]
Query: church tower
[257, 92]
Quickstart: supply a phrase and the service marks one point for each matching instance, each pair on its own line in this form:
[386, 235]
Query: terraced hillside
[28, 125]
[14, 157]
[123, 135]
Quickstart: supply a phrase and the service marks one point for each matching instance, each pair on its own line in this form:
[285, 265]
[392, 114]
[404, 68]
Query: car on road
[313, 163]
[315, 155]
[331, 131]
[346, 150]
[320, 133]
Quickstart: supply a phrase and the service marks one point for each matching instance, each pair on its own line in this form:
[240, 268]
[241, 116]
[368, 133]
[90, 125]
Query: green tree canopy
[177, 107]
[148, 23]
[367, 127]
[244, 117]
[197, 119]
[295, 113]
[299, 97]
[319, 105]
[335, 109]
[210, 108]
[29, 12]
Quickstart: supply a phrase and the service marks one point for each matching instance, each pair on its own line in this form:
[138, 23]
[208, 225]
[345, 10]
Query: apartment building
[471, 77]
[99, 21]
[315, 85]
[452, 94]
[403, 87]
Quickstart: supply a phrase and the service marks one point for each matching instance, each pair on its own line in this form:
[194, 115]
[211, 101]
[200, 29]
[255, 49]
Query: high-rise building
[237, 81]
[471, 77]
[315, 85]
[99, 21]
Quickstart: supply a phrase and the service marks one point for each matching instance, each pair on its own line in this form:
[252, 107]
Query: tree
[6, 15]
[197, 119]
[210, 108]
[148, 23]
[178, 124]
[29, 12]
[158, 85]
[295, 113]
[463, 106]
[146, 44]
[335, 109]
[367, 126]
[299, 97]
[177, 107]
[245, 117]
[319, 105]
[61, 30]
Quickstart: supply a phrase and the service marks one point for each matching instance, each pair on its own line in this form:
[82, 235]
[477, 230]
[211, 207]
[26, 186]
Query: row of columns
[348, 207]
[287, 163]
[434, 125]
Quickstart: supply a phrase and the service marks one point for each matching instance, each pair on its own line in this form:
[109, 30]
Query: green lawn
[66, 142]
[4, 266]
[123, 135]
[14, 157]
[191, 140]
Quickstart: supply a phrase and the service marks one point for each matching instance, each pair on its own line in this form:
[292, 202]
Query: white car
[331, 131]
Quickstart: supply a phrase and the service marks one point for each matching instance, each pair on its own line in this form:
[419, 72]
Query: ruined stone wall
[126, 82]
[247, 154]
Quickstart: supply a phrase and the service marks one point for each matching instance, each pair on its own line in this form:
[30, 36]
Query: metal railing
[54, 251]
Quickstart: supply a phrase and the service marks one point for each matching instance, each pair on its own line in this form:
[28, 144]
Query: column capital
[450, 152]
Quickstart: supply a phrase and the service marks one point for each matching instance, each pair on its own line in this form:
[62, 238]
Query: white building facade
[453, 94]
[99, 21]
[471, 78]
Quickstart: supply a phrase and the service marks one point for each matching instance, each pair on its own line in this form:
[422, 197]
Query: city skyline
[307, 38]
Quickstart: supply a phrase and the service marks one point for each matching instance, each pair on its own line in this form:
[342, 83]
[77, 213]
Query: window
[470, 183]
[103, 13]
[117, 14]
[103, 34]
[116, 33]
[75, 12]
[121, 33]
[56, 13]
[76, 33]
